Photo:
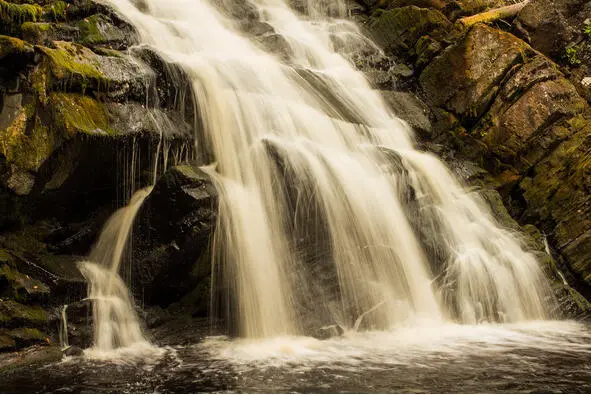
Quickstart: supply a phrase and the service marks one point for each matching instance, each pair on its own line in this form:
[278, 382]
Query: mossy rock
[75, 68]
[98, 29]
[14, 314]
[75, 113]
[38, 32]
[73, 63]
[21, 287]
[95, 30]
[11, 48]
[399, 29]
[27, 143]
[12, 16]
[28, 336]
[6, 342]
[465, 77]
[556, 193]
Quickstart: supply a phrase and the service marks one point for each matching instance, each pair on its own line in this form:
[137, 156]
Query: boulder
[398, 30]
[550, 25]
[171, 243]
[466, 77]
[411, 109]
[93, 31]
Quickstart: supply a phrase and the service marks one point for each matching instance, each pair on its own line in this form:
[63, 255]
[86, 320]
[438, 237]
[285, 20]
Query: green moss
[58, 10]
[13, 46]
[16, 313]
[68, 60]
[90, 30]
[587, 31]
[13, 15]
[572, 57]
[27, 143]
[35, 32]
[77, 113]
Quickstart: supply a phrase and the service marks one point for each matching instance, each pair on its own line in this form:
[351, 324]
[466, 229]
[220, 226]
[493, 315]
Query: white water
[63, 330]
[116, 325]
[424, 346]
[311, 111]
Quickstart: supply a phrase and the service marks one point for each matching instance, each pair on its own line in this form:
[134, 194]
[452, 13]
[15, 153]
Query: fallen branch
[493, 15]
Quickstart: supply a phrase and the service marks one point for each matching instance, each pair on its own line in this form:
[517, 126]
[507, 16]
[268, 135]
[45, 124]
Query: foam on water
[404, 345]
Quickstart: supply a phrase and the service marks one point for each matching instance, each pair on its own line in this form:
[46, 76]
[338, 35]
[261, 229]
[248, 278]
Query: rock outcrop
[514, 108]
[84, 120]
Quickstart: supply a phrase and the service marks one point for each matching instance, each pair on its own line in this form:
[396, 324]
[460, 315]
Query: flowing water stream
[329, 218]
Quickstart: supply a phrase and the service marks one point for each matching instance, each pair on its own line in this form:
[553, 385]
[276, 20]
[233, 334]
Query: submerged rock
[73, 351]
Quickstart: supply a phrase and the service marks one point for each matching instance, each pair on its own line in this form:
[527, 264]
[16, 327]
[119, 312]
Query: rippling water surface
[531, 357]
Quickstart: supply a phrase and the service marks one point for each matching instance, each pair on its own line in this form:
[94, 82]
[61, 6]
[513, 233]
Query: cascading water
[314, 171]
[115, 321]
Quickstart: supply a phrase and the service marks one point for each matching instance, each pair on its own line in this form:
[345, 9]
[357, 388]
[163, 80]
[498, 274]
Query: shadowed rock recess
[87, 117]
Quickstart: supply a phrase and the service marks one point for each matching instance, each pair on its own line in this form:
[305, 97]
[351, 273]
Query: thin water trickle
[63, 329]
[115, 321]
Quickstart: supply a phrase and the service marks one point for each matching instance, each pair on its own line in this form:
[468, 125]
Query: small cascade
[116, 324]
[63, 329]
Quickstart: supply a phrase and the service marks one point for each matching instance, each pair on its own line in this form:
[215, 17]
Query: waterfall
[116, 324]
[317, 176]
[63, 328]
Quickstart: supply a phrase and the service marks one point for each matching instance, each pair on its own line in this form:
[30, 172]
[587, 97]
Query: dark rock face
[171, 246]
[399, 29]
[561, 30]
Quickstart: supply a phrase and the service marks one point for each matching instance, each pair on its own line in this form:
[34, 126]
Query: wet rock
[409, 108]
[171, 244]
[551, 24]
[73, 351]
[13, 314]
[80, 69]
[80, 325]
[277, 45]
[465, 78]
[95, 30]
[32, 356]
[399, 29]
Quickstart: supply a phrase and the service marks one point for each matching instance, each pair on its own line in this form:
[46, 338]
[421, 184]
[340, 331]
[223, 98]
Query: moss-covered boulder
[13, 48]
[74, 67]
[398, 30]
[465, 78]
[94, 31]
[19, 286]
[528, 117]
[13, 15]
[14, 314]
